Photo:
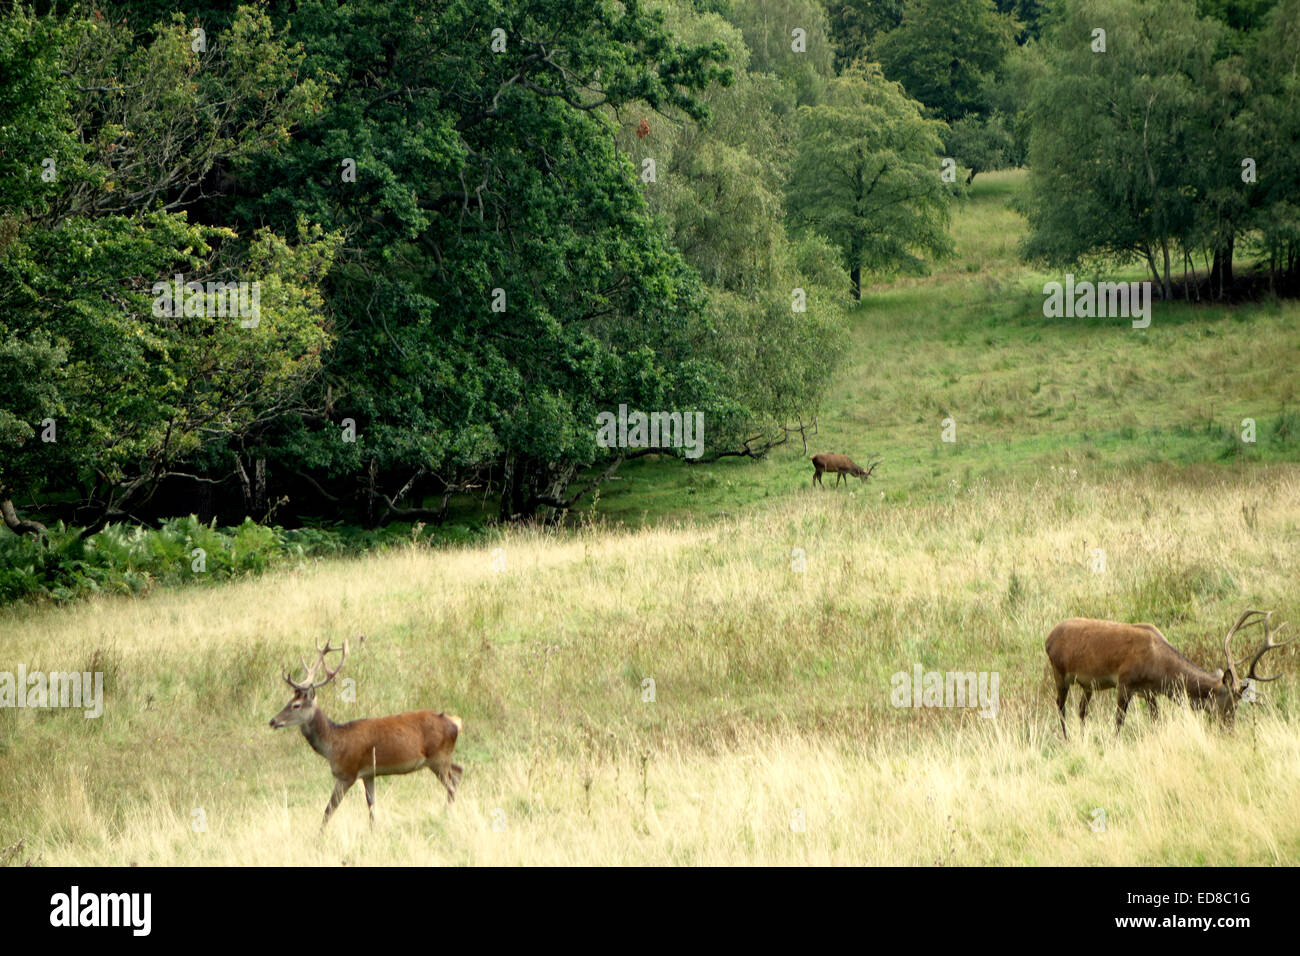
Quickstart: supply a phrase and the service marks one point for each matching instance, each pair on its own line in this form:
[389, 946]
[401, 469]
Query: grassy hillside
[772, 634]
[772, 692]
[1027, 393]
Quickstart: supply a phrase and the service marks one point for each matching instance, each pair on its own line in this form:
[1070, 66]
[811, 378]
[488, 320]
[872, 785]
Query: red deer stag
[1138, 660]
[841, 466]
[373, 747]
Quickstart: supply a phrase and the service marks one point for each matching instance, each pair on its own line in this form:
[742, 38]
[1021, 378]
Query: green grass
[1026, 392]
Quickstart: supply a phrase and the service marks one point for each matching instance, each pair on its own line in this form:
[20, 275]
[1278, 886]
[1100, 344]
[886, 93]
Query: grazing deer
[1137, 659]
[841, 466]
[373, 747]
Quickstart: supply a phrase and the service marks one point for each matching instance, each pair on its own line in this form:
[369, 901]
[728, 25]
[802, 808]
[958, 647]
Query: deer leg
[340, 788]
[1121, 706]
[1083, 705]
[1155, 710]
[443, 771]
[1062, 692]
[370, 798]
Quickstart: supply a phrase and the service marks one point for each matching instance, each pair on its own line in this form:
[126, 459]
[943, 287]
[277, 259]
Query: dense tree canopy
[856, 23]
[470, 230]
[463, 252]
[867, 175]
[1167, 146]
[946, 52]
[101, 394]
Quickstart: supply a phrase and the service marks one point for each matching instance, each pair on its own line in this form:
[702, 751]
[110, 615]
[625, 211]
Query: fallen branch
[744, 451]
[315, 484]
[17, 525]
[564, 504]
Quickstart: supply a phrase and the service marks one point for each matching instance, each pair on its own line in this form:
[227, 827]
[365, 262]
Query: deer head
[301, 709]
[865, 473]
[1231, 686]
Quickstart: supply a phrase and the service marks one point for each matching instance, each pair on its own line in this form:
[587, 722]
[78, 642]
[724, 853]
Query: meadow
[1026, 393]
[699, 670]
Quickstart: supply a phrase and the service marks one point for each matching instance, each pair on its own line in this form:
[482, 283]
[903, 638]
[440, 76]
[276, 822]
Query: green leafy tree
[1242, 16]
[856, 23]
[1112, 134]
[1271, 121]
[980, 144]
[866, 176]
[769, 29]
[946, 52]
[503, 279]
[776, 311]
[1027, 14]
[103, 393]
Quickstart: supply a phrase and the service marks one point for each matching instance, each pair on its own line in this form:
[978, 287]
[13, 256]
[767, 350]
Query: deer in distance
[371, 747]
[1137, 659]
[841, 466]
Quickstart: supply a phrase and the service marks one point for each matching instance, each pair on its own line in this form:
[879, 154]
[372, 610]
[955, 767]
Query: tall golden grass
[770, 738]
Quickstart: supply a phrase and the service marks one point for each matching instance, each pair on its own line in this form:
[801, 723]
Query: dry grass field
[771, 737]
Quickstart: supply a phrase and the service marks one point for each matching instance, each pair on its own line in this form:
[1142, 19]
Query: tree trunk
[511, 478]
[259, 486]
[557, 483]
[17, 525]
[372, 474]
[1151, 264]
[855, 277]
[1166, 288]
[204, 506]
[1221, 271]
[245, 486]
[526, 481]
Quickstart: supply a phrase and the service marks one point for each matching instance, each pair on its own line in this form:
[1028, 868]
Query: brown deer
[841, 466]
[373, 747]
[1138, 659]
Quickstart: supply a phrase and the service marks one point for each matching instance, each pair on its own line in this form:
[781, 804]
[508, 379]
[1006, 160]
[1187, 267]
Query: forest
[473, 230]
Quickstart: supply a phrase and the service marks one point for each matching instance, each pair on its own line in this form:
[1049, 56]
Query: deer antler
[1269, 644]
[330, 674]
[310, 682]
[872, 463]
[293, 683]
[1227, 640]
